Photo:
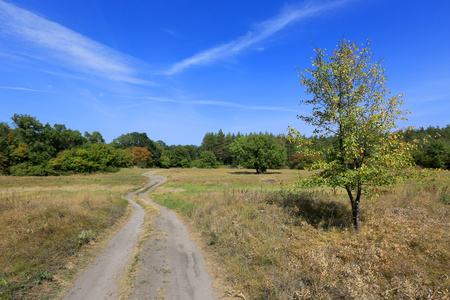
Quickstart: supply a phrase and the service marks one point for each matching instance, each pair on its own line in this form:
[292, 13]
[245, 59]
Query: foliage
[434, 146]
[302, 162]
[179, 156]
[164, 161]
[94, 137]
[92, 158]
[219, 144]
[142, 157]
[259, 151]
[207, 160]
[136, 139]
[349, 102]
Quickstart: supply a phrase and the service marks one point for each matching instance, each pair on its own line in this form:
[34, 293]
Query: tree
[349, 103]
[5, 137]
[94, 137]
[218, 148]
[136, 139]
[259, 151]
[142, 157]
[435, 154]
[207, 161]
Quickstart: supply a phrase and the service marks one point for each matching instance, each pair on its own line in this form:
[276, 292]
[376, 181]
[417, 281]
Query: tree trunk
[355, 213]
[355, 208]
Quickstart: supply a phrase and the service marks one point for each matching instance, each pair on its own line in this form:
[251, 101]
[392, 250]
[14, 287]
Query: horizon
[177, 71]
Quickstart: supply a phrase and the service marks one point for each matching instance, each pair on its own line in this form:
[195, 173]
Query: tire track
[100, 279]
[172, 265]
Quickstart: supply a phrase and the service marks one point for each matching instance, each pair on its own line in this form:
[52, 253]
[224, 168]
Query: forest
[29, 148]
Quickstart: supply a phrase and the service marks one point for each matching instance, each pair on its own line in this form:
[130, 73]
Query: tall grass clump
[301, 244]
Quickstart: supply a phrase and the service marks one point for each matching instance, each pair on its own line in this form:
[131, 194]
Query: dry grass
[288, 244]
[46, 223]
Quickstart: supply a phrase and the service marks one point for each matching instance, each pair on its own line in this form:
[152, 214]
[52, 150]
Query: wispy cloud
[262, 31]
[239, 106]
[55, 42]
[204, 103]
[21, 89]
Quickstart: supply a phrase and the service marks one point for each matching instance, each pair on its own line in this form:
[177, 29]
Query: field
[263, 238]
[52, 226]
[269, 240]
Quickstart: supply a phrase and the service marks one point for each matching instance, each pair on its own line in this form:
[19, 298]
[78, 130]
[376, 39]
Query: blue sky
[177, 69]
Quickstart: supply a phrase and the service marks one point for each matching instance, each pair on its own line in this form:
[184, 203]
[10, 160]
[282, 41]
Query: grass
[47, 222]
[284, 243]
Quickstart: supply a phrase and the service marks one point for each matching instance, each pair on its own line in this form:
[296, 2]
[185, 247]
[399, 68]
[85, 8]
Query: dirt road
[172, 266]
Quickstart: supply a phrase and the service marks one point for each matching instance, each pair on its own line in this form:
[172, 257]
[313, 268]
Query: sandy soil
[172, 265]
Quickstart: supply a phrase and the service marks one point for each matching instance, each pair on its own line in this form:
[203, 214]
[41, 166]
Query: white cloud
[52, 41]
[262, 31]
[21, 89]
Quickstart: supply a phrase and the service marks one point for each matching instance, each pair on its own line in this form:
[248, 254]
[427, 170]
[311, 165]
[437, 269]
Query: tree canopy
[350, 104]
[259, 152]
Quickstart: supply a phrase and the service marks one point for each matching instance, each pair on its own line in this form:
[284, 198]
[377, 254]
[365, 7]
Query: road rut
[172, 266]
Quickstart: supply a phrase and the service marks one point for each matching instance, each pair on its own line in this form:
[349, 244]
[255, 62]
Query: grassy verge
[282, 243]
[49, 222]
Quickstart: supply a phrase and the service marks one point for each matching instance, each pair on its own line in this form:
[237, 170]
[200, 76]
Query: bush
[207, 161]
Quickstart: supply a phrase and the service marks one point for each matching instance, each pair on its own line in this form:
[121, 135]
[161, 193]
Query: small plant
[445, 198]
[41, 275]
[86, 236]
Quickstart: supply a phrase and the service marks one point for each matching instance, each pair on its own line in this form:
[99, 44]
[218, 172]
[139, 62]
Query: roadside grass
[47, 223]
[286, 243]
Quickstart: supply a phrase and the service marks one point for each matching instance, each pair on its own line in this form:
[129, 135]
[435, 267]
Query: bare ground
[171, 266]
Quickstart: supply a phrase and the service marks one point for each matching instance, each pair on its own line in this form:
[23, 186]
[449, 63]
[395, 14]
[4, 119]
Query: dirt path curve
[172, 266]
[100, 279]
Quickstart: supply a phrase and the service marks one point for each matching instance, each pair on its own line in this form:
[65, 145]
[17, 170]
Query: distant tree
[136, 139]
[290, 145]
[302, 162]
[349, 103]
[162, 144]
[91, 158]
[34, 136]
[62, 138]
[259, 151]
[94, 137]
[227, 156]
[164, 161]
[179, 156]
[143, 157]
[219, 146]
[436, 154]
[5, 161]
[209, 141]
[207, 160]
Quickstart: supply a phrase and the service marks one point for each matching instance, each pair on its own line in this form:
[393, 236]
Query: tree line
[30, 148]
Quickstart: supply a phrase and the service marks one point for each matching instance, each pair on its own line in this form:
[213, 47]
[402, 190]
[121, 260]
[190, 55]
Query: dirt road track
[172, 267]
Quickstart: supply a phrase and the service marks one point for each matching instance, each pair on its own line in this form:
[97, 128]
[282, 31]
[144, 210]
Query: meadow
[51, 227]
[263, 237]
[268, 239]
